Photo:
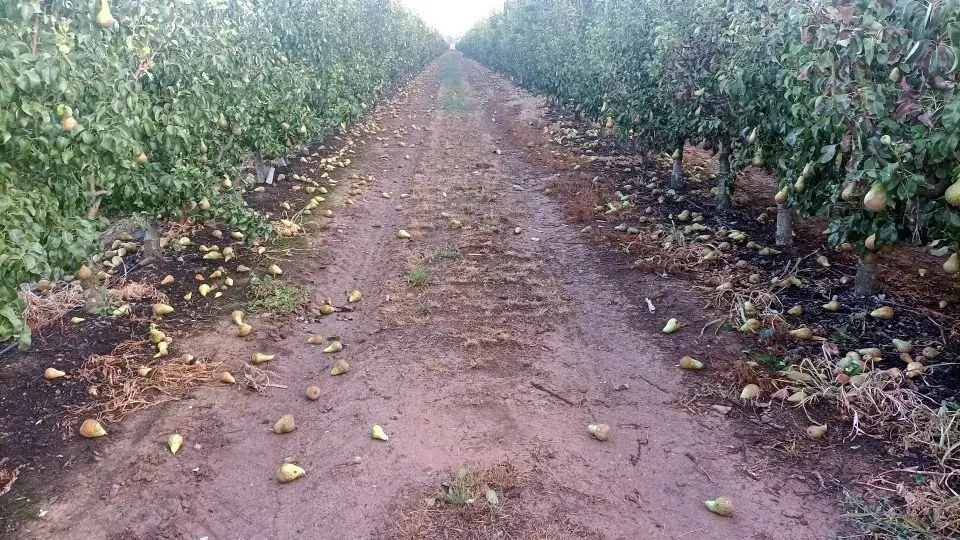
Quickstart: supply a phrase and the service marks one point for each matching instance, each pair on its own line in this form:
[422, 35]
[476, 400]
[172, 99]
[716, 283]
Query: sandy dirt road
[512, 297]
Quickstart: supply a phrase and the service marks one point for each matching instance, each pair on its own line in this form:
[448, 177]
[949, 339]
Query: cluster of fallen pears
[286, 424]
[854, 369]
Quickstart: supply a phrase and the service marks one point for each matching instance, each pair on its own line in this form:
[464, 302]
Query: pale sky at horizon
[453, 17]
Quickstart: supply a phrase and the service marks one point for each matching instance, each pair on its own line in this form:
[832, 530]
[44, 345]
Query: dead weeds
[46, 310]
[477, 504]
[130, 380]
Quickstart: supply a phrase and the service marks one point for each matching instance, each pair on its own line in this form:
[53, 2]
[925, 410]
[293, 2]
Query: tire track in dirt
[446, 368]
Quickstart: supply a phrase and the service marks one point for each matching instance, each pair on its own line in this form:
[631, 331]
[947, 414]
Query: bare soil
[453, 367]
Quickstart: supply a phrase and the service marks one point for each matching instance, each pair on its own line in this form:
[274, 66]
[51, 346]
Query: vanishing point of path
[514, 296]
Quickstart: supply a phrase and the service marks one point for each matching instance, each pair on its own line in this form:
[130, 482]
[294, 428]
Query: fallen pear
[244, 330]
[689, 363]
[289, 472]
[672, 326]
[914, 369]
[156, 336]
[227, 378]
[53, 373]
[355, 296]
[237, 317]
[274, 270]
[174, 442]
[402, 234]
[903, 346]
[833, 305]
[313, 393]
[260, 358]
[816, 432]
[601, 432]
[334, 347]
[327, 309]
[316, 340]
[378, 434]
[91, 428]
[796, 311]
[884, 313]
[340, 368]
[286, 424]
[803, 333]
[722, 506]
[162, 309]
[951, 266]
[749, 392]
[167, 280]
[204, 289]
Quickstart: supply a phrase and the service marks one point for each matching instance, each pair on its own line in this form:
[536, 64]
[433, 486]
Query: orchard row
[115, 108]
[852, 104]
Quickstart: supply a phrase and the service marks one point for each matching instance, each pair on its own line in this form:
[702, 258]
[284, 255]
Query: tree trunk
[866, 279]
[676, 178]
[784, 225]
[724, 182]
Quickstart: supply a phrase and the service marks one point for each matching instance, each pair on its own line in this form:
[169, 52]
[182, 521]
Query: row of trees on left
[110, 108]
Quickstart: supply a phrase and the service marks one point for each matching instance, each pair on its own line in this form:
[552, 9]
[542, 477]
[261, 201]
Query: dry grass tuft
[44, 311]
[122, 390]
[460, 508]
[137, 291]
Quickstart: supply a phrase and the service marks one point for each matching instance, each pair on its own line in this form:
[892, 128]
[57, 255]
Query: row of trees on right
[852, 104]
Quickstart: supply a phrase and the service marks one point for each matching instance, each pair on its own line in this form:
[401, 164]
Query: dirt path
[513, 296]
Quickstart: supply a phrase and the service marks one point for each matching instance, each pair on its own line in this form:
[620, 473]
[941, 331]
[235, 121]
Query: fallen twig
[697, 463]
[543, 388]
